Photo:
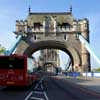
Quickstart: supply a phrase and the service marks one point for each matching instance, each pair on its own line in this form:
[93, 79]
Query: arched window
[34, 37]
[65, 36]
[37, 25]
[66, 25]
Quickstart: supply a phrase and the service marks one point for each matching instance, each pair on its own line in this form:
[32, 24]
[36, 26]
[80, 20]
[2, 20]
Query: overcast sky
[12, 10]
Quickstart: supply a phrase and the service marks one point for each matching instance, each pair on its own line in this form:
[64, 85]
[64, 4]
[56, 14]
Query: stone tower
[56, 30]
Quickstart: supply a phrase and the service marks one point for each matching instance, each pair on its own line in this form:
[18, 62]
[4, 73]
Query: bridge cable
[88, 47]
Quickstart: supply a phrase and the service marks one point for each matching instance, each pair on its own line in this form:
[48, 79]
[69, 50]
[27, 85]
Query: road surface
[55, 88]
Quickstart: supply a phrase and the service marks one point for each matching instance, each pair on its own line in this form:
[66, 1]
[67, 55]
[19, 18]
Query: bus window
[31, 65]
[11, 63]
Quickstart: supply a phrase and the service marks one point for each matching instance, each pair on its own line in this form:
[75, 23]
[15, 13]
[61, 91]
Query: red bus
[14, 71]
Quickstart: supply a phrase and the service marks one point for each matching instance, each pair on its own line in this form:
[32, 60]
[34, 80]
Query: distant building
[57, 30]
[50, 56]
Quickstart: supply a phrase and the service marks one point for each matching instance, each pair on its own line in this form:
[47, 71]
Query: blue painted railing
[13, 47]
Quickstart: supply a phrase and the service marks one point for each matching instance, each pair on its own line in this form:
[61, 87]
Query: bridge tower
[55, 30]
[84, 27]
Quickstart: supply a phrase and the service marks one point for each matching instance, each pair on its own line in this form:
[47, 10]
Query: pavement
[91, 83]
[61, 89]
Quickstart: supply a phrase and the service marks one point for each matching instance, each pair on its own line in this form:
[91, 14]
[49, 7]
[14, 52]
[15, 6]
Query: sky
[12, 10]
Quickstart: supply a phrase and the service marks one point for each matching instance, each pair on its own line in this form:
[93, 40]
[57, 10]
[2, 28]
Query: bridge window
[34, 37]
[65, 36]
[59, 25]
[64, 25]
[29, 29]
[37, 25]
[7, 62]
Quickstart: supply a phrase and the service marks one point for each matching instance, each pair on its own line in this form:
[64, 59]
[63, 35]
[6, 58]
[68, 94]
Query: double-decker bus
[17, 70]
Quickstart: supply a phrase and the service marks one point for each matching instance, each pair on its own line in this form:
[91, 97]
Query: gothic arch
[71, 51]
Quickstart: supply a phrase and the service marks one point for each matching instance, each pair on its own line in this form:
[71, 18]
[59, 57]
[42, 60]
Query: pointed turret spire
[29, 10]
[71, 8]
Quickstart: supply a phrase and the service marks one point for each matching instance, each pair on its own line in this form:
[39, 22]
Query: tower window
[34, 37]
[66, 25]
[65, 36]
[37, 25]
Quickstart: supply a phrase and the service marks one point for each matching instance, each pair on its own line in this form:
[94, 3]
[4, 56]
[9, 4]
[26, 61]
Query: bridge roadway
[54, 88]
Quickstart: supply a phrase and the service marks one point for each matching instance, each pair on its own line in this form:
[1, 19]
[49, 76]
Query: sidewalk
[89, 83]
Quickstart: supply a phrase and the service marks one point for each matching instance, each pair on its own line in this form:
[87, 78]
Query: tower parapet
[21, 26]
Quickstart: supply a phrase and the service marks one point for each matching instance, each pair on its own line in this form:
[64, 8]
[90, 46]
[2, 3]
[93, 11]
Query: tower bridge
[56, 30]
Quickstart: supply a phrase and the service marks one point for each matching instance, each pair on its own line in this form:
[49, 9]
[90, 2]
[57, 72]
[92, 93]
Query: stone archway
[29, 49]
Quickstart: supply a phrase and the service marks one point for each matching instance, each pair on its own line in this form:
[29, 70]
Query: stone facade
[58, 31]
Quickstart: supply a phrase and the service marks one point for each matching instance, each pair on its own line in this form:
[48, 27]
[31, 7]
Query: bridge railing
[72, 74]
[85, 74]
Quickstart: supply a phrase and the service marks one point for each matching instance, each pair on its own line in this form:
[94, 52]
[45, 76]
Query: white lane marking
[38, 83]
[41, 86]
[37, 98]
[46, 95]
[28, 96]
[37, 92]
[36, 86]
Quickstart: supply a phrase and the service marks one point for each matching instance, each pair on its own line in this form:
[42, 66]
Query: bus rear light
[10, 83]
[11, 77]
